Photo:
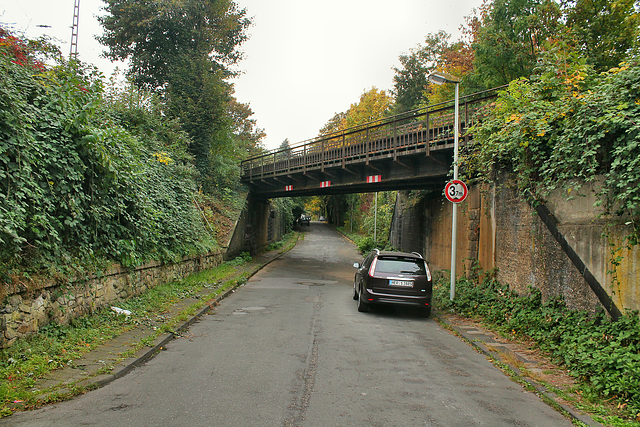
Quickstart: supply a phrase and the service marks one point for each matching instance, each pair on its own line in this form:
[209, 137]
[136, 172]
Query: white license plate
[401, 283]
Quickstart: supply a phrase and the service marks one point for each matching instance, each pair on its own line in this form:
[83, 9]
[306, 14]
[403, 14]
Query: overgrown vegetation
[90, 175]
[604, 355]
[566, 126]
[79, 182]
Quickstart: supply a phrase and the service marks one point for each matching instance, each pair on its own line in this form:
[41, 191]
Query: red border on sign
[448, 196]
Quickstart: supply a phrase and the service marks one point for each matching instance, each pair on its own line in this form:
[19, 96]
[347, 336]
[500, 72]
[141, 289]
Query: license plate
[401, 283]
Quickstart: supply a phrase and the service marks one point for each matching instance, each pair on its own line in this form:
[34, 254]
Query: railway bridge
[413, 150]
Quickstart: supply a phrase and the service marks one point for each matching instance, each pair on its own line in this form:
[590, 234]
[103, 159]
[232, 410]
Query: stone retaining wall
[28, 307]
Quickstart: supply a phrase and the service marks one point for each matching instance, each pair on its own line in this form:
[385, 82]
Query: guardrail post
[343, 146]
[324, 157]
[427, 137]
[466, 122]
[395, 140]
[367, 147]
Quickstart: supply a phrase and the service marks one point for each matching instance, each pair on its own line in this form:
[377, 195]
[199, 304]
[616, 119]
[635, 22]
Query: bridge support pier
[251, 230]
[259, 224]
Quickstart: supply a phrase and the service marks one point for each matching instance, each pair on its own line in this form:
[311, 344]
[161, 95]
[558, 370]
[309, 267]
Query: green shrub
[366, 244]
[85, 176]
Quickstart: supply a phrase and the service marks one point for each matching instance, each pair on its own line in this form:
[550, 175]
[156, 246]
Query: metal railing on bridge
[414, 132]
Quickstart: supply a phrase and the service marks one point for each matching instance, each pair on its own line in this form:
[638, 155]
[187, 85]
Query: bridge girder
[417, 172]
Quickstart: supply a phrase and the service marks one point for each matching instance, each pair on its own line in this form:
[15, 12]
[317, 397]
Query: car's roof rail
[416, 253]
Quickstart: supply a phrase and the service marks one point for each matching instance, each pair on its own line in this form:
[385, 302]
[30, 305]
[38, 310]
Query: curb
[546, 394]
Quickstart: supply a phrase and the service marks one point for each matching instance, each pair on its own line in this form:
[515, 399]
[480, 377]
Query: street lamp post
[375, 223]
[439, 78]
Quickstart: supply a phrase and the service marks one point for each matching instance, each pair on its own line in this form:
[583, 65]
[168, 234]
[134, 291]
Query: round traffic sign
[456, 191]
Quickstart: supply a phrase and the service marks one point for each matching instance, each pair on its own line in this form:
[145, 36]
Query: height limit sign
[456, 191]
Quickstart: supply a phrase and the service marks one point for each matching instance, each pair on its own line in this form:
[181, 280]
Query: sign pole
[454, 213]
[375, 223]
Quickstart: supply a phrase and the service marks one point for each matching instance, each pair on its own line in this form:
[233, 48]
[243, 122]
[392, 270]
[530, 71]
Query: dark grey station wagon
[388, 277]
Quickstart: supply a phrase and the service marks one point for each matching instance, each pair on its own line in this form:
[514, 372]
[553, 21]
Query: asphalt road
[290, 349]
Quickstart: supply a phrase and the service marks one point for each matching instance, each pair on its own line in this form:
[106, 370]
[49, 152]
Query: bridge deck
[421, 133]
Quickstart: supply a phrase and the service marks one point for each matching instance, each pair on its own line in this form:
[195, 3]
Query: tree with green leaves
[247, 135]
[604, 31]
[183, 50]
[410, 81]
[511, 35]
[160, 37]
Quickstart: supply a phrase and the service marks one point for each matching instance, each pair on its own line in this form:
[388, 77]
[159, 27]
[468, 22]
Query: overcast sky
[305, 60]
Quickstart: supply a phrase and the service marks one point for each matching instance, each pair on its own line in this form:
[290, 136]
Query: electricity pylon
[73, 54]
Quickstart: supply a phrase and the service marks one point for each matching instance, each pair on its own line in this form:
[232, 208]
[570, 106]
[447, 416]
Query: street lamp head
[440, 77]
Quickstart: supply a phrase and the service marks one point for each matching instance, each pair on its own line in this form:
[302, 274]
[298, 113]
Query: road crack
[302, 391]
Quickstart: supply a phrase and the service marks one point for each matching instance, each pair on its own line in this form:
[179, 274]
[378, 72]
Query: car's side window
[367, 261]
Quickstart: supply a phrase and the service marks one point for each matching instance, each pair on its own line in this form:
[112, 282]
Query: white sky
[305, 60]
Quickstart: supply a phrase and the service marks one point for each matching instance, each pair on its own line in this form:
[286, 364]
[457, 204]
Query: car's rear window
[400, 266]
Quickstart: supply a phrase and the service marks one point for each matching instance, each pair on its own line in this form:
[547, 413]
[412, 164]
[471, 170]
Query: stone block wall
[26, 309]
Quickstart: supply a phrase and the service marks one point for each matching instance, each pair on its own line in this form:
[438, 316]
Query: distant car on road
[305, 220]
[390, 277]
[321, 218]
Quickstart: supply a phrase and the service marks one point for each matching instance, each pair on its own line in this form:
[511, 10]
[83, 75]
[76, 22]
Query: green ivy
[567, 125]
[84, 176]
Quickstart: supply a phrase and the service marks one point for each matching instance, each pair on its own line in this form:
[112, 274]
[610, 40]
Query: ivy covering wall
[84, 176]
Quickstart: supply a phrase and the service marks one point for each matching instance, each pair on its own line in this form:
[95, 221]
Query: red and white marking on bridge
[288, 188]
[374, 178]
[325, 184]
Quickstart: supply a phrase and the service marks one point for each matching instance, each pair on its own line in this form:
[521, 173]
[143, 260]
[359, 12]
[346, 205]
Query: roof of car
[397, 253]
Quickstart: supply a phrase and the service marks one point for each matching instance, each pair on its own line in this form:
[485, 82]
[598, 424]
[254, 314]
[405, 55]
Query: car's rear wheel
[355, 293]
[363, 307]
[426, 312]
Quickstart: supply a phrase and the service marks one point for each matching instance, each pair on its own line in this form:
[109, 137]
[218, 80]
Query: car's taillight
[372, 269]
[426, 268]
